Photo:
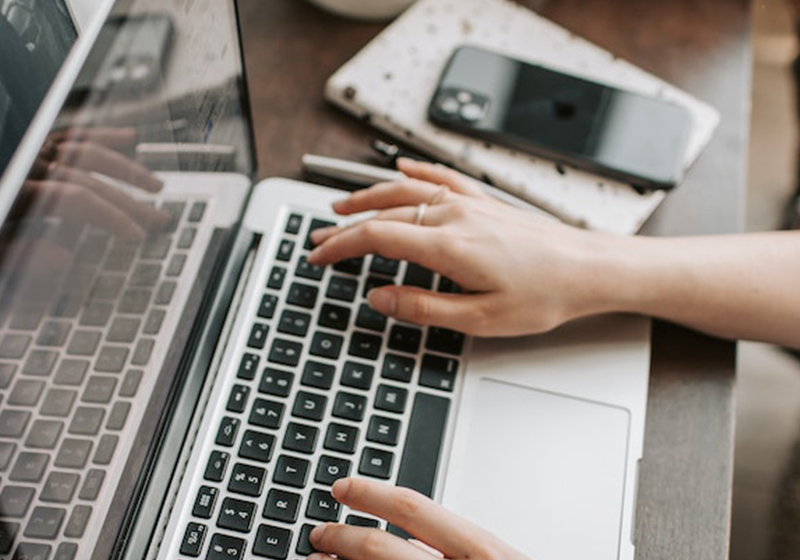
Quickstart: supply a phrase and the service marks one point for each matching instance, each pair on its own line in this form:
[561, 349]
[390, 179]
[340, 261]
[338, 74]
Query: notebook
[177, 381]
[391, 81]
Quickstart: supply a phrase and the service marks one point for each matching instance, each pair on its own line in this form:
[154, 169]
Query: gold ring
[437, 197]
[420, 214]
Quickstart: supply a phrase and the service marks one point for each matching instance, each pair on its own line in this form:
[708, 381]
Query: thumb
[416, 305]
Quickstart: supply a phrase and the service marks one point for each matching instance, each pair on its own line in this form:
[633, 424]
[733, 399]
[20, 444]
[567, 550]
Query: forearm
[735, 286]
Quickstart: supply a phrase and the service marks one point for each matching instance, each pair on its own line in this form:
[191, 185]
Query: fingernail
[342, 202]
[317, 532]
[313, 256]
[406, 161]
[383, 301]
[340, 488]
[321, 233]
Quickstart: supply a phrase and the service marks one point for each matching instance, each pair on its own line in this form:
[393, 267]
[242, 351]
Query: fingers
[409, 192]
[416, 514]
[93, 157]
[440, 175]
[465, 313]
[360, 543]
[117, 138]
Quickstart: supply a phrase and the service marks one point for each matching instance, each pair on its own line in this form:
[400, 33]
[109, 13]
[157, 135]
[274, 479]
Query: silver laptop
[176, 381]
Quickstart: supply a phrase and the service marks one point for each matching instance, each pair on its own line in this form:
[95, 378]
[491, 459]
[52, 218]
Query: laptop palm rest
[546, 472]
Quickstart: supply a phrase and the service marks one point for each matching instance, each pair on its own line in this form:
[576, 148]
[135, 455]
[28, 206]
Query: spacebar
[423, 448]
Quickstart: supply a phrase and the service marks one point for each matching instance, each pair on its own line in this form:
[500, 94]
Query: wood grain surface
[703, 46]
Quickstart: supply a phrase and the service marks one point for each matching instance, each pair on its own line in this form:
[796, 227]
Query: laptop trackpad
[545, 472]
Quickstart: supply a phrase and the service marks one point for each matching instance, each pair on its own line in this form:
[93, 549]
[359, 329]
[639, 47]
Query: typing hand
[520, 273]
[441, 533]
[64, 181]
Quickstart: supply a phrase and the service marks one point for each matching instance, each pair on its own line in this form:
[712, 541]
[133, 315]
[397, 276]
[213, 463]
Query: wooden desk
[702, 46]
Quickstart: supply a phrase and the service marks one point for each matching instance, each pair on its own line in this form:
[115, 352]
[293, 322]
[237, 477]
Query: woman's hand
[521, 273]
[437, 529]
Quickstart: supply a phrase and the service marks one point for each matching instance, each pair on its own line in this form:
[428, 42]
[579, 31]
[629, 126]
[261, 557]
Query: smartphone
[619, 134]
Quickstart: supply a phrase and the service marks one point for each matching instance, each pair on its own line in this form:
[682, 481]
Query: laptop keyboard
[73, 356]
[322, 388]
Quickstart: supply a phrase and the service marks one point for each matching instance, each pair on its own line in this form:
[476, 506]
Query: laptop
[177, 381]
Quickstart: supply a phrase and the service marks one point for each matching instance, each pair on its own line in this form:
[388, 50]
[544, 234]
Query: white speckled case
[392, 79]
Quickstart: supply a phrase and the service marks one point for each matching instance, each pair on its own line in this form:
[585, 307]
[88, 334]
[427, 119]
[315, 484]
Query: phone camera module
[472, 112]
[449, 105]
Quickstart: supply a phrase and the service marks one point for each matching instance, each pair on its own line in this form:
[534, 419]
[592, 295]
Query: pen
[363, 174]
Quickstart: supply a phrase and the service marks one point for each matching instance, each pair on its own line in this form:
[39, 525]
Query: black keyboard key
[342, 289]
[237, 400]
[223, 547]
[193, 538]
[141, 355]
[27, 317]
[267, 308]
[276, 382]
[282, 506]
[156, 247]
[349, 406]
[111, 359]
[326, 345]
[165, 292]
[285, 250]
[145, 275]
[272, 542]
[236, 515]
[13, 423]
[358, 521]
[130, 383]
[368, 318]
[84, 343]
[382, 265]
[60, 487]
[73, 453]
[376, 463]
[45, 522]
[226, 433]
[322, 506]
[13, 346]
[398, 368]
[365, 345]
[318, 375]
[341, 438]
[154, 320]
[330, 469]
[99, 389]
[310, 406]
[302, 295]
[445, 341]
[6, 374]
[66, 551]
[405, 339]
[285, 352]
[29, 467]
[40, 362]
[391, 399]
[105, 449]
[357, 375]
[309, 271]
[420, 461]
[257, 446]
[373, 282]
[196, 212]
[301, 438]
[123, 329]
[107, 287]
[175, 210]
[266, 414]
[418, 276]
[78, 521]
[120, 259]
[216, 466]
[291, 471]
[53, 333]
[8, 535]
[71, 372]
[86, 421]
[32, 551]
[438, 372]
[315, 224]
[186, 238]
[334, 317]
[294, 322]
[350, 266]
[304, 546]
[276, 277]
[15, 500]
[258, 336]
[92, 484]
[204, 502]
[248, 366]
[176, 264]
[247, 480]
[7, 450]
[383, 430]
[44, 434]
[294, 223]
[135, 301]
[96, 314]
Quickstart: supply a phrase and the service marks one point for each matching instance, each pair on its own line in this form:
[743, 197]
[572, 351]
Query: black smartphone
[620, 134]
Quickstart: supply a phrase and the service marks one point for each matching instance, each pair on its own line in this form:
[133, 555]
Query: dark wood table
[702, 46]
